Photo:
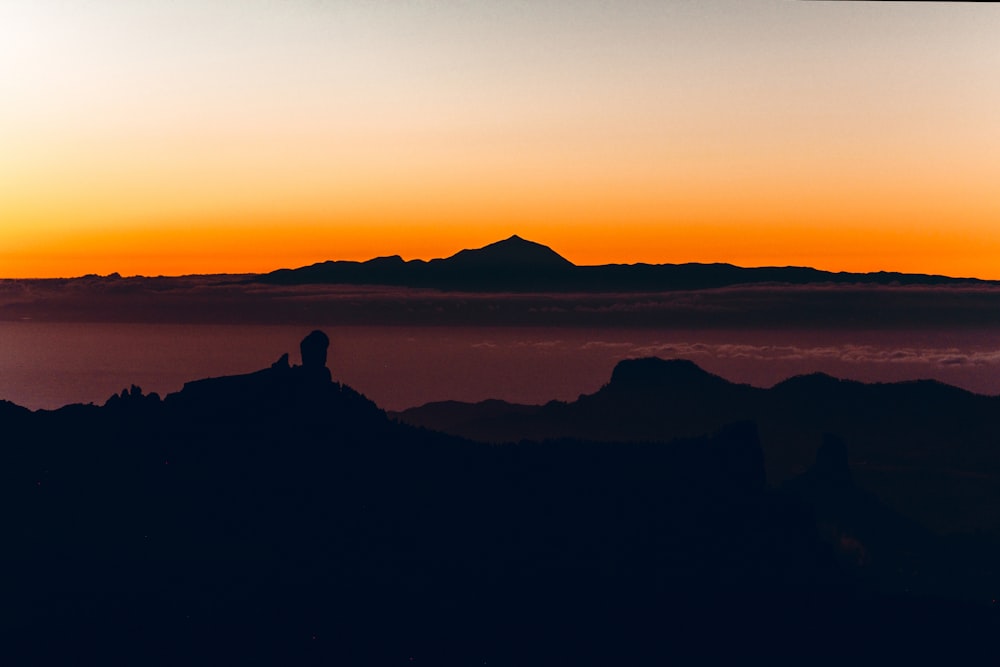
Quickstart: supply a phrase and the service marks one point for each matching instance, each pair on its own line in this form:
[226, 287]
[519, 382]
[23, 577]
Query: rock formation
[313, 348]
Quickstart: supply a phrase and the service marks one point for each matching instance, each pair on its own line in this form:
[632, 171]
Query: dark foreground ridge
[281, 518]
[518, 265]
[930, 449]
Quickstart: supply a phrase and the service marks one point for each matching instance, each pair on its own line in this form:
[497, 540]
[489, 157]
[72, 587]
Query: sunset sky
[182, 136]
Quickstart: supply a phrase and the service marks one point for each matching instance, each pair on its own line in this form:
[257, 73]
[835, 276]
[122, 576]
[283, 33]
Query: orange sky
[173, 137]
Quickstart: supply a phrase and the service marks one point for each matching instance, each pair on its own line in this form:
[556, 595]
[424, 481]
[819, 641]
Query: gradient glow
[167, 137]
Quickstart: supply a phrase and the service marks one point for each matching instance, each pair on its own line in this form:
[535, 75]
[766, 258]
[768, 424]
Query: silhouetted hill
[281, 517]
[931, 450]
[515, 252]
[516, 264]
[511, 264]
[652, 374]
[645, 400]
[10, 411]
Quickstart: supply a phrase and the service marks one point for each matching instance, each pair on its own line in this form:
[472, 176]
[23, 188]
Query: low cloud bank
[230, 300]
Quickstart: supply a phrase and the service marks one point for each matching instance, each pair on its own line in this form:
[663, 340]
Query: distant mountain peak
[517, 264]
[650, 372]
[811, 382]
[389, 260]
[513, 251]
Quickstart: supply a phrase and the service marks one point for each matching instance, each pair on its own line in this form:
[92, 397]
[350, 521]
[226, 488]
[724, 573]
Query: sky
[182, 136]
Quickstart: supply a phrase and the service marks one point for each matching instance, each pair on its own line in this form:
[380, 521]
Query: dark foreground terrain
[929, 449]
[282, 518]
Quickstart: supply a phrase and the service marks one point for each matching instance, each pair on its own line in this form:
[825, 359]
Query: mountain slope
[513, 252]
[931, 450]
[280, 517]
[279, 514]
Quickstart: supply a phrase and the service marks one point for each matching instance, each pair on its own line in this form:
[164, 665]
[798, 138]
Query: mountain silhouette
[658, 375]
[928, 448]
[516, 264]
[280, 516]
[514, 252]
[511, 264]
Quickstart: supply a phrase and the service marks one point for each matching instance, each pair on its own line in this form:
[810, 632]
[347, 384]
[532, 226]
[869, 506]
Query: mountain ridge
[517, 264]
[900, 434]
[512, 251]
[278, 516]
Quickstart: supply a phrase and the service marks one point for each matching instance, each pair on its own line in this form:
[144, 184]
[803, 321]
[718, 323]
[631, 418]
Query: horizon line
[512, 237]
